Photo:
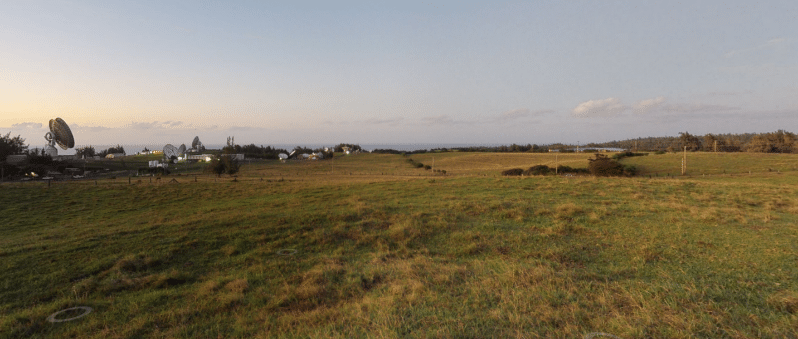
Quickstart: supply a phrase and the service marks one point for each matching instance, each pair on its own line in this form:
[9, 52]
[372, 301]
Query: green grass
[383, 252]
[708, 163]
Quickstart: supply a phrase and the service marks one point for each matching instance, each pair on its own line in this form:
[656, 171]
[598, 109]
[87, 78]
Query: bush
[602, 166]
[568, 169]
[426, 167]
[539, 170]
[419, 165]
[513, 171]
[223, 164]
[619, 156]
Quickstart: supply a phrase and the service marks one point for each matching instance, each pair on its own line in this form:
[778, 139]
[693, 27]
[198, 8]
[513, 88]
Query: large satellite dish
[170, 151]
[182, 149]
[59, 134]
[283, 156]
[196, 143]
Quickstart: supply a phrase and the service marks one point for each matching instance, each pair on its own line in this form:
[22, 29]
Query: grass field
[707, 163]
[367, 246]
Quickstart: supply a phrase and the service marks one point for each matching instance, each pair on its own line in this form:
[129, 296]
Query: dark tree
[777, 142]
[11, 145]
[602, 166]
[112, 150]
[222, 164]
[692, 142]
[352, 147]
[86, 151]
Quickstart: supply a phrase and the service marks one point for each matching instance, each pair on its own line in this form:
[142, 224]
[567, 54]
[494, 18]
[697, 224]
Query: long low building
[208, 157]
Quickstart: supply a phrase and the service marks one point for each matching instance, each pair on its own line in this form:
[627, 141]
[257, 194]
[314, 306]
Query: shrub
[539, 170]
[568, 169]
[426, 167]
[619, 156]
[513, 171]
[222, 164]
[419, 165]
[602, 166]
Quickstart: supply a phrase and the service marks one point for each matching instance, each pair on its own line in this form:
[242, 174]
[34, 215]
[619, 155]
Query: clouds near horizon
[604, 108]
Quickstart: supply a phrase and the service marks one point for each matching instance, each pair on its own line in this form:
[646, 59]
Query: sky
[409, 72]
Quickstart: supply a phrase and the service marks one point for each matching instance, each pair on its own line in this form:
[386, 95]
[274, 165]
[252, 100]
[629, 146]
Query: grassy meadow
[367, 246]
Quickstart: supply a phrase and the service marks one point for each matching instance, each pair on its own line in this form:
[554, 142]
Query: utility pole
[716, 146]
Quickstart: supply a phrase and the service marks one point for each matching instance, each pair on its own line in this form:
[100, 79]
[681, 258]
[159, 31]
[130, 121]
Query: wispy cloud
[156, 124]
[520, 113]
[697, 108]
[143, 125]
[648, 105]
[32, 125]
[769, 44]
[390, 121]
[241, 128]
[763, 70]
[603, 108]
[442, 120]
[728, 93]
[78, 127]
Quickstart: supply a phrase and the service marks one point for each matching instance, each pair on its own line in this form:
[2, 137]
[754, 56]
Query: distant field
[367, 246]
[707, 163]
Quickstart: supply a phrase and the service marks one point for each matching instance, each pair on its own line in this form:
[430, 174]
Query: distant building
[114, 155]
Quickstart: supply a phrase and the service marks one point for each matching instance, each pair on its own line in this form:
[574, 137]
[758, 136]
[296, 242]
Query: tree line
[780, 141]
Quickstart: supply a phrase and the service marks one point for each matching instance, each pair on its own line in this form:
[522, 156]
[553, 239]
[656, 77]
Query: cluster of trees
[544, 170]
[393, 151]
[602, 166]
[85, 152]
[259, 152]
[223, 164]
[774, 142]
[256, 152]
[11, 145]
[352, 147]
[89, 151]
[534, 148]
[112, 150]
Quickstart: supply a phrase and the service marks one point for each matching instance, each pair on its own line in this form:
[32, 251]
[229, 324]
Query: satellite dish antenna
[283, 156]
[182, 149]
[292, 153]
[196, 144]
[170, 151]
[59, 134]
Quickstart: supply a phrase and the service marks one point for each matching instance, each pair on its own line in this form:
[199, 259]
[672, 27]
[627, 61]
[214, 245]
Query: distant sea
[133, 149]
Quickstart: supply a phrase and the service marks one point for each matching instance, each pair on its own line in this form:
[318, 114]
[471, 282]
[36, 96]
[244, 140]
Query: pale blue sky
[156, 72]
